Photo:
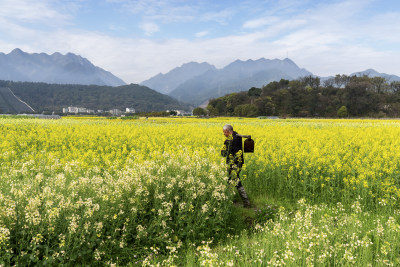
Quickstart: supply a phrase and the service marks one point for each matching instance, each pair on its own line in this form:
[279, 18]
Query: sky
[137, 39]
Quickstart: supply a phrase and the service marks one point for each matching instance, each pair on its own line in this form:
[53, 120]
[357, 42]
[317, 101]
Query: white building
[116, 112]
[183, 113]
[73, 110]
[77, 110]
[130, 110]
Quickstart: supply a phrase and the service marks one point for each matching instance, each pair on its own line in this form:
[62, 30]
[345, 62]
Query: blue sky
[137, 39]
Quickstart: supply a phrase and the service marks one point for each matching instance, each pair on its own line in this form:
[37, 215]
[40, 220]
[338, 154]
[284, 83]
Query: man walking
[233, 151]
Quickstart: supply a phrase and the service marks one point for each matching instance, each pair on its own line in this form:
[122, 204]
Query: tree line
[44, 97]
[339, 96]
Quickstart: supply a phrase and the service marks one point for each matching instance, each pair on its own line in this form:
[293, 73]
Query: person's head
[227, 129]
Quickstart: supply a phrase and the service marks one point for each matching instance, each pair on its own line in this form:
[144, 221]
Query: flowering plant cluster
[146, 192]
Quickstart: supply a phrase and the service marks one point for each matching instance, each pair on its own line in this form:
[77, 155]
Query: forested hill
[9, 103]
[340, 96]
[53, 97]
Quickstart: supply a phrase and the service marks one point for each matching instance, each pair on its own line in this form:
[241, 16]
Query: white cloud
[325, 39]
[160, 10]
[149, 28]
[201, 34]
[31, 11]
[135, 60]
[221, 17]
[257, 23]
[168, 11]
[385, 27]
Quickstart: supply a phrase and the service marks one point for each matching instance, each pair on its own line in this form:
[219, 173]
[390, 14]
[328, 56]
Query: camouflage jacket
[233, 150]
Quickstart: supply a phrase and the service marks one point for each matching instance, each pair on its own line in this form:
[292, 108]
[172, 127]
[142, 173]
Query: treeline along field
[337, 97]
[142, 192]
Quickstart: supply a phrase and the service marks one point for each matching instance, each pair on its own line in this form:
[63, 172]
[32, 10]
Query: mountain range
[193, 83]
[204, 81]
[196, 83]
[56, 68]
[374, 73]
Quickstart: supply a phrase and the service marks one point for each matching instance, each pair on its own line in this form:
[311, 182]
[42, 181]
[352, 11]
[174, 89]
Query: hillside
[9, 103]
[56, 68]
[53, 97]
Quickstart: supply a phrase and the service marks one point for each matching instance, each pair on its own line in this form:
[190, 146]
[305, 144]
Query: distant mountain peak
[56, 68]
[374, 73]
[288, 60]
[165, 83]
[369, 72]
[192, 63]
[17, 51]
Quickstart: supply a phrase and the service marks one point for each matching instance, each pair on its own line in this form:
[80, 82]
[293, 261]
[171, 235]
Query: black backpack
[248, 145]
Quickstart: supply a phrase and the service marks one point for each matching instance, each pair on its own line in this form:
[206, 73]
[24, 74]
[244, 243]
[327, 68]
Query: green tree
[199, 111]
[253, 91]
[342, 112]
[341, 80]
[246, 110]
[274, 86]
[395, 86]
[379, 85]
[269, 106]
[217, 106]
[359, 97]
[313, 82]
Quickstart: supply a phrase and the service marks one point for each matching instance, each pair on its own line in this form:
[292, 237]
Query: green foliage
[199, 111]
[130, 118]
[312, 235]
[342, 112]
[246, 110]
[54, 97]
[101, 228]
[395, 86]
[265, 213]
[306, 97]
[253, 91]
[18, 117]
[9, 104]
[310, 81]
[155, 114]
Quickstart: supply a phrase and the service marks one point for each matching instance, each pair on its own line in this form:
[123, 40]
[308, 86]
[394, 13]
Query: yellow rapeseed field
[79, 190]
